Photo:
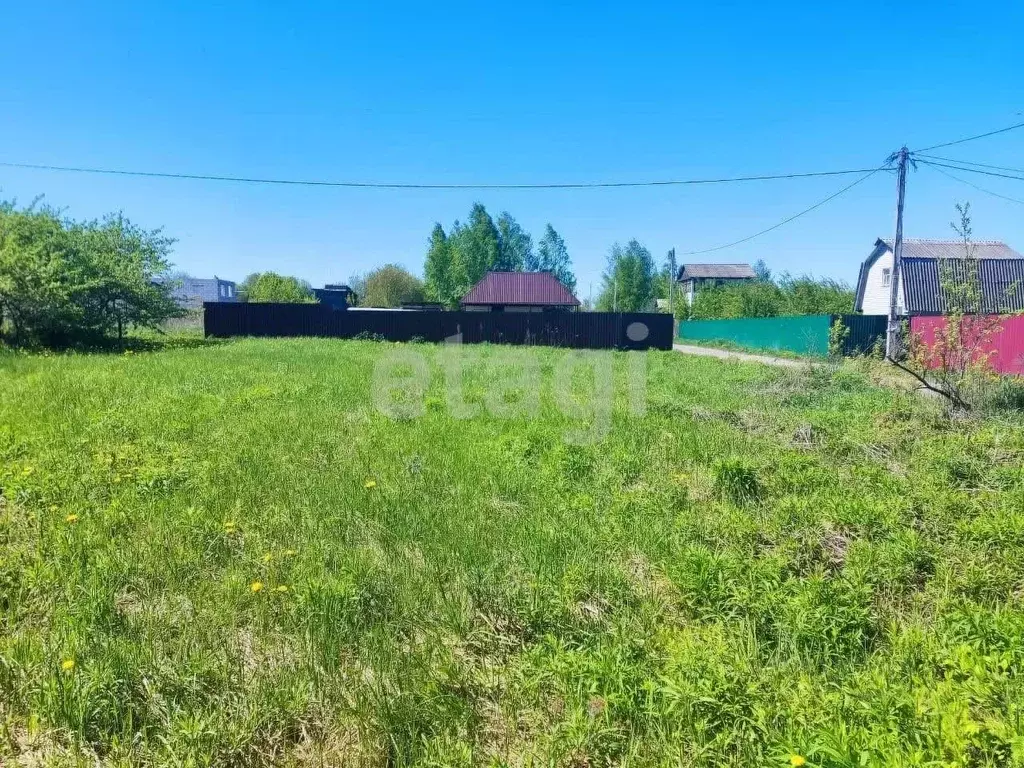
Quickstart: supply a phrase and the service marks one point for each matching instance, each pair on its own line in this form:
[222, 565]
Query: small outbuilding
[519, 292]
[336, 295]
[693, 277]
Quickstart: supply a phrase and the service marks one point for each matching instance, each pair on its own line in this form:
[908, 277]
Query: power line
[817, 205]
[971, 170]
[972, 184]
[390, 185]
[970, 138]
[967, 162]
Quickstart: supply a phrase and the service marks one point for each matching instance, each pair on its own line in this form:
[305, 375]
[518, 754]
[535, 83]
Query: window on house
[886, 277]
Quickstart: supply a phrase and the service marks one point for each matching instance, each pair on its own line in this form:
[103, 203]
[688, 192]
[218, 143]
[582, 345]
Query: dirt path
[724, 354]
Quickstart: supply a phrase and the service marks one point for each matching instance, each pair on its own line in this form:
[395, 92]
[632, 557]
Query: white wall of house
[878, 288]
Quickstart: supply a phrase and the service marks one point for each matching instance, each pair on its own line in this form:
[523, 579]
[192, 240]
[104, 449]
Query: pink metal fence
[1006, 348]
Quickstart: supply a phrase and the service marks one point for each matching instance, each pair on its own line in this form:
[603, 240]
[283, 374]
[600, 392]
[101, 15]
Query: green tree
[515, 246]
[475, 249]
[64, 282]
[665, 280]
[122, 267]
[270, 287]
[553, 256]
[357, 283]
[439, 268]
[957, 362]
[628, 279]
[243, 288]
[390, 286]
[761, 270]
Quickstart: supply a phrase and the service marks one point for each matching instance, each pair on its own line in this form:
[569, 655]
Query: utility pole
[671, 280]
[891, 337]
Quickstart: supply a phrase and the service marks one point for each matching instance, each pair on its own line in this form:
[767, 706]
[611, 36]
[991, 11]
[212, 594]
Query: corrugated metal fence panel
[581, 330]
[1006, 347]
[864, 332]
[804, 334]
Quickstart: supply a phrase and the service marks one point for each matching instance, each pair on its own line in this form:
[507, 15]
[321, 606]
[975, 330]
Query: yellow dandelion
[797, 760]
[290, 553]
[67, 665]
[229, 526]
[370, 484]
[256, 586]
[267, 557]
[27, 471]
[282, 588]
[71, 519]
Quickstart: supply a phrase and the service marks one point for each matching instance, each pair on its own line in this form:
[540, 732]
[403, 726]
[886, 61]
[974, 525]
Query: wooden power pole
[671, 281]
[892, 334]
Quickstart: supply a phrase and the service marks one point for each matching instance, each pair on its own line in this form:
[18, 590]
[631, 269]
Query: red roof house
[519, 292]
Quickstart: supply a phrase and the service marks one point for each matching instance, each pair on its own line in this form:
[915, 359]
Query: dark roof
[534, 288]
[998, 263]
[719, 271]
[926, 283]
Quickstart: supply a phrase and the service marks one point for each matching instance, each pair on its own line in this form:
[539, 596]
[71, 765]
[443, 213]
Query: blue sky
[518, 93]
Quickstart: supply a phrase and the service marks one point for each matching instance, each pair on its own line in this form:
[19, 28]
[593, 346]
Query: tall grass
[225, 555]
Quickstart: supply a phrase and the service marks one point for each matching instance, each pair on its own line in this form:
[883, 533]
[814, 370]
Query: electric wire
[971, 138]
[794, 217]
[970, 170]
[405, 185]
[972, 184]
[973, 164]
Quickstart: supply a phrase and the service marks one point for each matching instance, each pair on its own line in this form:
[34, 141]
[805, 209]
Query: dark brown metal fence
[865, 331]
[580, 330]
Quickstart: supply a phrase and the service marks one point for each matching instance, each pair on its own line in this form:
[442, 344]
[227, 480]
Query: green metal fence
[804, 334]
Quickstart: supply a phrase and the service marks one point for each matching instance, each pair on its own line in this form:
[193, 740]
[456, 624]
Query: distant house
[519, 292]
[694, 277]
[191, 292]
[336, 295]
[1000, 271]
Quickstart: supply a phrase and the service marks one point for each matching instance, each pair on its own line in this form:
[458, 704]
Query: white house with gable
[999, 267]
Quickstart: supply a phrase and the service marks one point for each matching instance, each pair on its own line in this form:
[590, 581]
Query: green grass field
[225, 555]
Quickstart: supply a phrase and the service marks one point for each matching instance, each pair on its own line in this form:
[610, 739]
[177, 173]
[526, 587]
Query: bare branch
[949, 395]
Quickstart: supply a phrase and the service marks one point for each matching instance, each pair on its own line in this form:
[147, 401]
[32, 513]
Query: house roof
[534, 288]
[952, 249]
[1000, 270]
[720, 271]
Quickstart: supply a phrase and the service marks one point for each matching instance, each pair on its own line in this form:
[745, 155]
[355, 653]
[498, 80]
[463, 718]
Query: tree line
[458, 259]
[72, 282]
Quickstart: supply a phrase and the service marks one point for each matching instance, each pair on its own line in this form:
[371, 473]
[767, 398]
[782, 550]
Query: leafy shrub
[270, 287]
[66, 283]
[838, 333]
[764, 298]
